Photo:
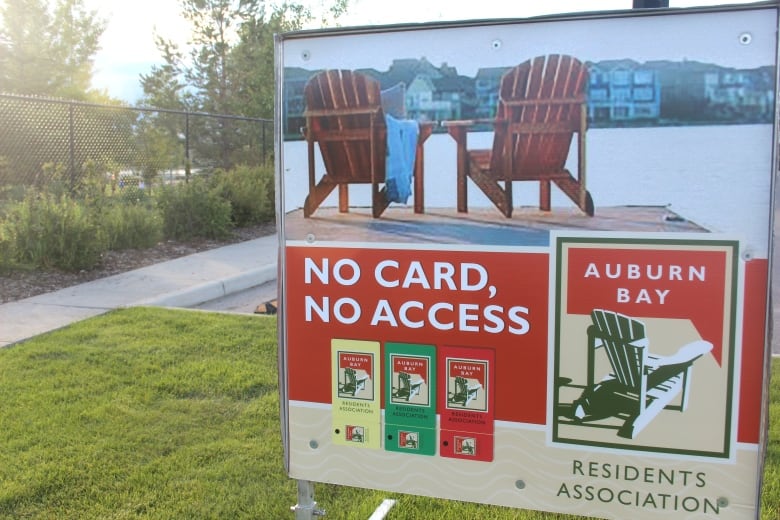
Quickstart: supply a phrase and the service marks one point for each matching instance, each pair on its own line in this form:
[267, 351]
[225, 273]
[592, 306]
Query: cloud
[127, 45]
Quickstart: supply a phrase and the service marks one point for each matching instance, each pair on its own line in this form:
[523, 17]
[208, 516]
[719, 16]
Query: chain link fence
[46, 140]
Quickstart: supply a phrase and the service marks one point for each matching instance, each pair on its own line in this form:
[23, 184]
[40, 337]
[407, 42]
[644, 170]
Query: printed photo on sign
[355, 433]
[570, 216]
[467, 384]
[411, 377]
[644, 344]
[465, 445]
[355, 375]
[409, 440]
[503, 144]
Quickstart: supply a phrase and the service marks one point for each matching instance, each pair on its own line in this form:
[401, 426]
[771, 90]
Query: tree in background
[228, 68]
[47, 48]
[76, 34]
[215, 25]
[24, 53]
[252, 59]
[163, 86]
[48, 52]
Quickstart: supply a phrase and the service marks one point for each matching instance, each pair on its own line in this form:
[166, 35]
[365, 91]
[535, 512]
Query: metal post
[187, 146]
[306, 508]
[71, 147]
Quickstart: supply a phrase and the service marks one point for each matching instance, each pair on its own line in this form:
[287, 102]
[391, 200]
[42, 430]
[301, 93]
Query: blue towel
[401, 151]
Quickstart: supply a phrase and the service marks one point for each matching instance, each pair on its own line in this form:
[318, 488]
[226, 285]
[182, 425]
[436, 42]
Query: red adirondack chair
[541, 106]
[344, 116]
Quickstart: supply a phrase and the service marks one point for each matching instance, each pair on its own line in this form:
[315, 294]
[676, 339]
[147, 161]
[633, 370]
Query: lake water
[715, 176]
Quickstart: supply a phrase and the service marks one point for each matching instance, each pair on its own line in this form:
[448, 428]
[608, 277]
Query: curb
[209, 291]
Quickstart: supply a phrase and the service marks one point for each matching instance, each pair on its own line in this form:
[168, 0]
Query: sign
[467, 412]
[527, 267]
[410, 398]
[685, 291]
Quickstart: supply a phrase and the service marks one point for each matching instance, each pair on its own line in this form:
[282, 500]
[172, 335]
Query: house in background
[486, 91]
[620, 93]
[432, 93]
[734, 93]
[449, 98]
[623, 91]
[683, 95]
[295, 80]
[695, 92]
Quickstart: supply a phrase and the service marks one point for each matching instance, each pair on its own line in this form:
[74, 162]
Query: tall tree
[252, 59]
[163, 86]
[229, 65]
[215, 25]
[159, 133]
[25, 54]
[75, 34]
[228, 68]
[48, 52]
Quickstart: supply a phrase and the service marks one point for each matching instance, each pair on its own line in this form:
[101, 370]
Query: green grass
[157, 413]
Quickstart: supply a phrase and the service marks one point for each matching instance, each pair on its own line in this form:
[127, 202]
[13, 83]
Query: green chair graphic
[352, 383]
[639, 385]
[408, 387]
[464, 392]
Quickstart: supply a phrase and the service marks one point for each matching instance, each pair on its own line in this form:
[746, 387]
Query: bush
[7, 257]
[250, 191]
[12, 193]
[46, 230]
[134, 195]
[131, 226]
[92, 184]
[193, 210]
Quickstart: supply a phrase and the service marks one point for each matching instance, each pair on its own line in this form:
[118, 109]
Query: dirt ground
[21, 284]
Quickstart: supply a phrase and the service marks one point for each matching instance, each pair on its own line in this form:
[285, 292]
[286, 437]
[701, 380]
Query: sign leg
[306, 508]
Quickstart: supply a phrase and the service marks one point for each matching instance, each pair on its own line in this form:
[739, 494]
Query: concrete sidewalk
[183, 282]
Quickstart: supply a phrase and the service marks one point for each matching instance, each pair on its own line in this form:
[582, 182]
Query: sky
[128, 50]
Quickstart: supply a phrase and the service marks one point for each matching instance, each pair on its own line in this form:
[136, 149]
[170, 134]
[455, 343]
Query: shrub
[46, 230]
[53, 179]
[134, 194]
[193, 210]
[130, 226]
[92, 184]
[12, 192]
[7, 256]
[250, 191]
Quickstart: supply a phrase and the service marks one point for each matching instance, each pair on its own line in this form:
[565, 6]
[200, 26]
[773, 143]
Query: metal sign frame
[373, 376]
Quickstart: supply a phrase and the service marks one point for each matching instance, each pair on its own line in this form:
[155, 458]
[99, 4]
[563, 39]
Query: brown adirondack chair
[344, 116]
[640, 384]
[541, 105]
